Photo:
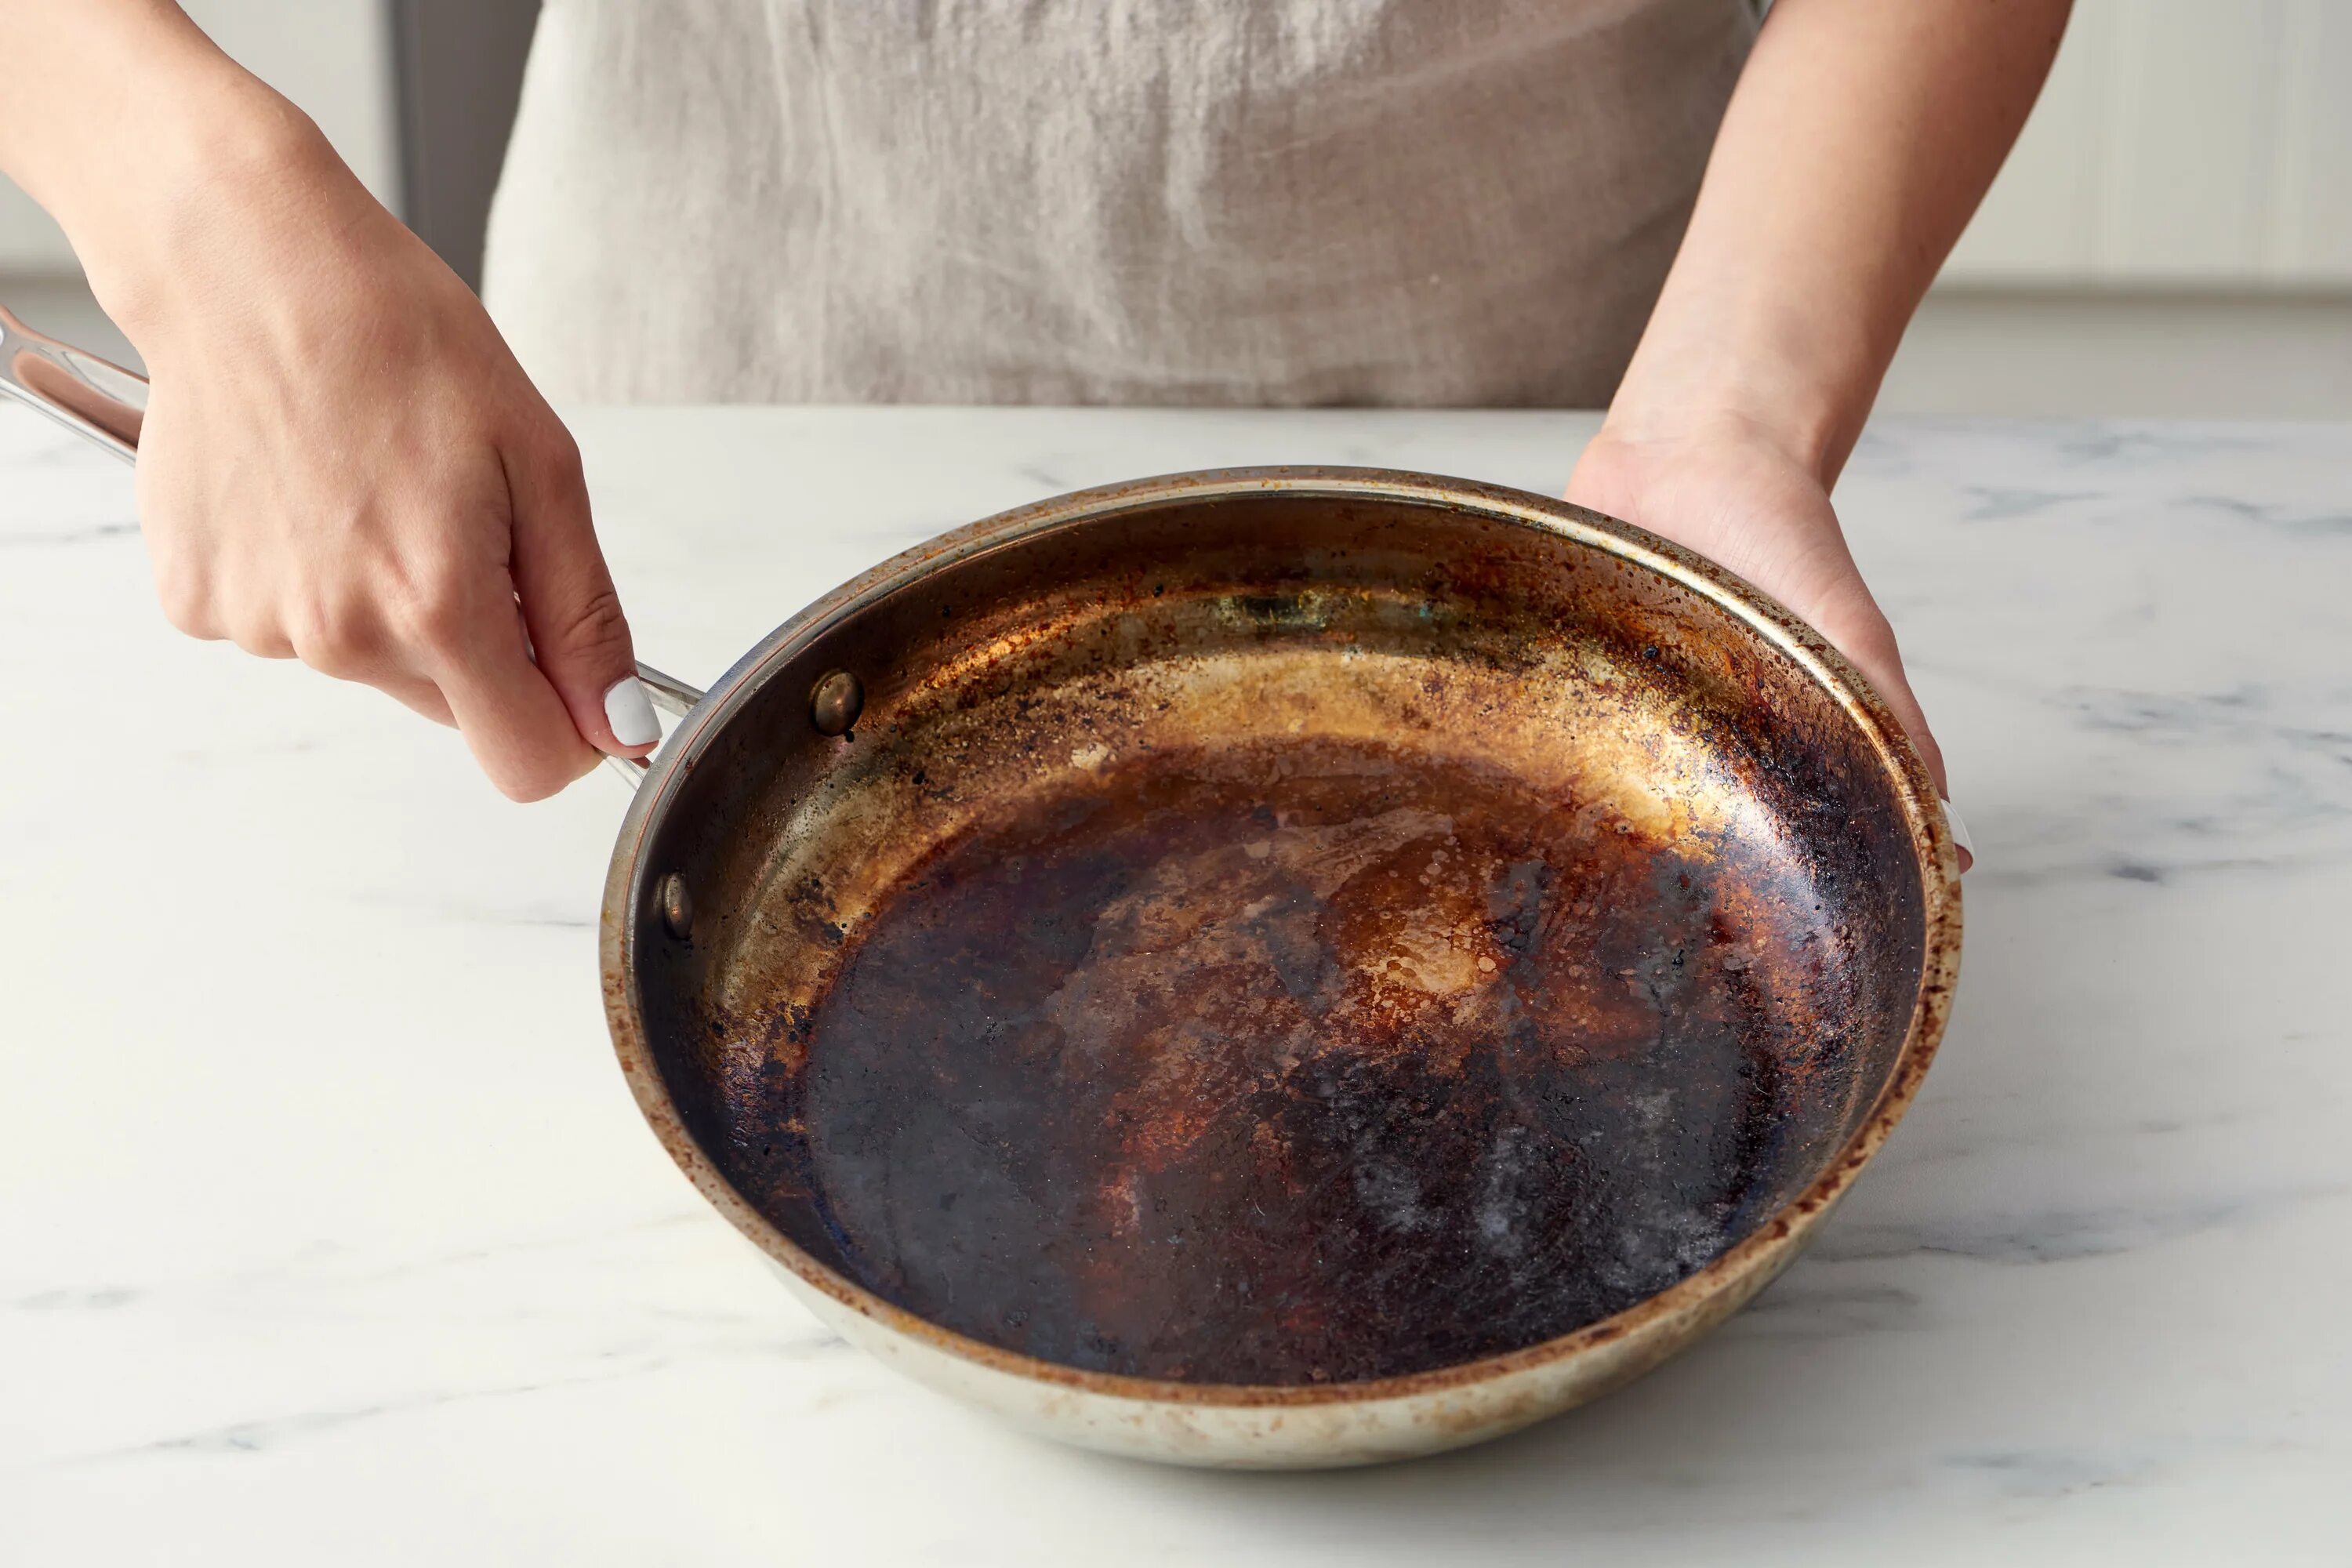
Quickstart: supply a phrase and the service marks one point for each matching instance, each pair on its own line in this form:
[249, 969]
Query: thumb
[578, 633]
[1871, 647]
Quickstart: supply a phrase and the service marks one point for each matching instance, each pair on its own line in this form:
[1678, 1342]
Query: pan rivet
[834, 702]
[677, 906]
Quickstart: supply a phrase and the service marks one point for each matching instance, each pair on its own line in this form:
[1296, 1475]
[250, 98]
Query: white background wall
[333, 57]
[2182, 142]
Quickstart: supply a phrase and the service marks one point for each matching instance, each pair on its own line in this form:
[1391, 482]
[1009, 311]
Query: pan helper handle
[671, 696]
[105, 404]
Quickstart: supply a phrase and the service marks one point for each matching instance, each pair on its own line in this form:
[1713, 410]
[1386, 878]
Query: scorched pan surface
[1282, 939]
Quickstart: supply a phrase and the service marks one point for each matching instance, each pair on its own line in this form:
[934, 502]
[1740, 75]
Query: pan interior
[1311, 980]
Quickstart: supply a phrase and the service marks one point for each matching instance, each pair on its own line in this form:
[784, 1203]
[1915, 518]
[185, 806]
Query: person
[1717, 228]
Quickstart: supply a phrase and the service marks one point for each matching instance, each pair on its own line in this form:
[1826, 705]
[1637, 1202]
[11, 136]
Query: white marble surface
[327, 1233]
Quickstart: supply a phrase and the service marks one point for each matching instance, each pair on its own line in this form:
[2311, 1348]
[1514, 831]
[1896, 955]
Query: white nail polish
[1959, 829]
[630, 712]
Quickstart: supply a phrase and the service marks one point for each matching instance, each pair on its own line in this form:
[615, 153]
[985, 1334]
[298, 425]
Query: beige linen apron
[1277, 202]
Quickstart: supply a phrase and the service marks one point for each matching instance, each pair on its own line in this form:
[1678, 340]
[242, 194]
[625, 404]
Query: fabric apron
[1254, 202]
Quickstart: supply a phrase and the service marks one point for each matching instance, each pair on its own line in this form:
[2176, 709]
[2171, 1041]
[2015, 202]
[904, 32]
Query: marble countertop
[329, 1233]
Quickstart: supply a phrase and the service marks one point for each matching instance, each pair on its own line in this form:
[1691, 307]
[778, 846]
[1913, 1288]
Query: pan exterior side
[1337, 1435]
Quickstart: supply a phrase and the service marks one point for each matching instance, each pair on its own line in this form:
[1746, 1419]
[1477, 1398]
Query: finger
[345, 635]
[246, 607]
[262, 637]
[512, 720]
[577, 630]
[1959, 830]
[1874, 651]
[1896, 690]
[187, 605]
[417, 696]
[183, 590]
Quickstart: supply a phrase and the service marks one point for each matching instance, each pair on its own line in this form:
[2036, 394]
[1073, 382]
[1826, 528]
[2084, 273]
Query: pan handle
[105, 404]
[99, 401]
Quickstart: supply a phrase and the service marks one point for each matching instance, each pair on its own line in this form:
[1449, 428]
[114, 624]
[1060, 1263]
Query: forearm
[125, 122]
[1859, 141]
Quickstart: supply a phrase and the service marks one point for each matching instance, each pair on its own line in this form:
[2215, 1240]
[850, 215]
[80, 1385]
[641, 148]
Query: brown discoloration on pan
[1282, 939]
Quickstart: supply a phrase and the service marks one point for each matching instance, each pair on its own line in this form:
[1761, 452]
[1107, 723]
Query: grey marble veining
[328, 1232]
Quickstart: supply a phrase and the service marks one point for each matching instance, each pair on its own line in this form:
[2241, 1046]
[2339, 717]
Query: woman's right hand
[342, 463]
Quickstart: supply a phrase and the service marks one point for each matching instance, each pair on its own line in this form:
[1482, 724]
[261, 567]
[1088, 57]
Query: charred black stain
[1320, 1062]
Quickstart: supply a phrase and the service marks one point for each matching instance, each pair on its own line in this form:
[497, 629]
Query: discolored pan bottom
[1279, 1065]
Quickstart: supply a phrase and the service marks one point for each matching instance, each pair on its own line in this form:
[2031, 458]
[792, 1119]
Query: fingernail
[1952, 819]
[630, 712]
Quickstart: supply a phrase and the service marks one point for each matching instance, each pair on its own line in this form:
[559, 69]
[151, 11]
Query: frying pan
[1279, 967]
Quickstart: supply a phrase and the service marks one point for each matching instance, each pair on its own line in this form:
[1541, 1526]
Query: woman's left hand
[1733, 495]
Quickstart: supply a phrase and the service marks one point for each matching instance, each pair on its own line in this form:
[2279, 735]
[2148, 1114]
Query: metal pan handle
[105, 404]
[94, 398]
[671, 696]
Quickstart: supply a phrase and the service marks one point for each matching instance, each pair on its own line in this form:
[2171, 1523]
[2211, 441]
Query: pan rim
[1761, 1252]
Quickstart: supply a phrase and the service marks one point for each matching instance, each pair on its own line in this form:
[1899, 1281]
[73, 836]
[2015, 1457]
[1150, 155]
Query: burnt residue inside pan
[1280, 941]
[1286, 1063]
